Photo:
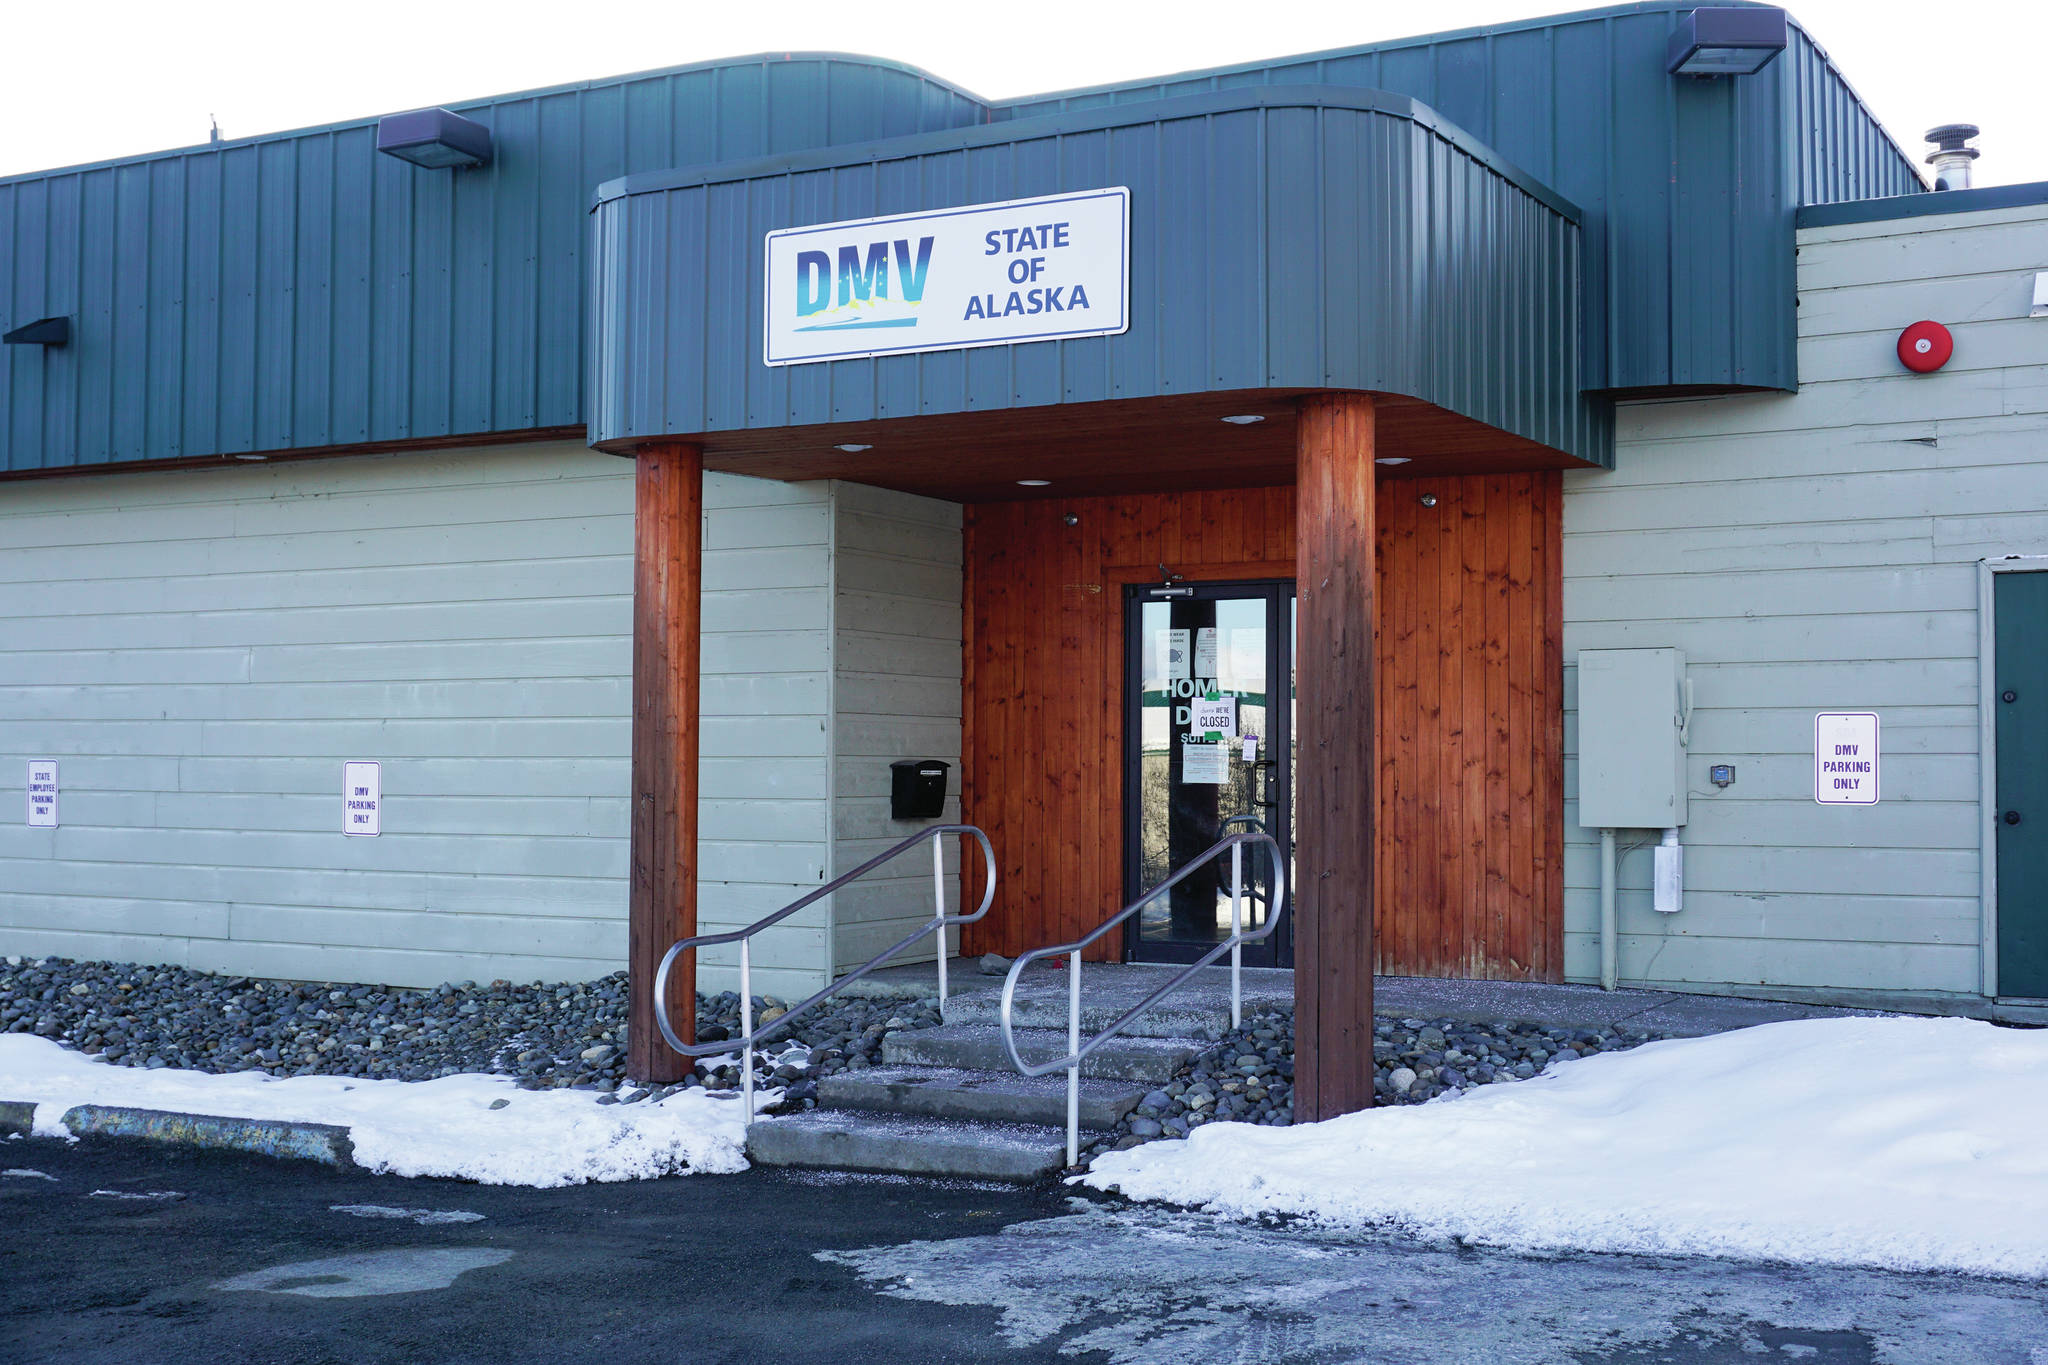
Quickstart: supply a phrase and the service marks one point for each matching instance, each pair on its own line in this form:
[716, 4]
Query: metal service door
[1208, 751]
[2020, 698]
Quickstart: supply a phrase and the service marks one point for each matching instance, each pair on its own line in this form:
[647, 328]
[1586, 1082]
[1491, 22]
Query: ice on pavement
[424, 1217]
[443, 1127]
[1897, 1142]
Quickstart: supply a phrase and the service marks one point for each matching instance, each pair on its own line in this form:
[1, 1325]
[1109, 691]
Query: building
[488, 446]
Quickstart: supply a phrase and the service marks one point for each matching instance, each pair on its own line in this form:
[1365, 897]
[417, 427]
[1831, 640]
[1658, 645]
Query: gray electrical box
[1634, 711]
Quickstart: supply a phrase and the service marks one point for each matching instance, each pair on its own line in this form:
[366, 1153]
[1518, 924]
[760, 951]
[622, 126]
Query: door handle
[2012, 817]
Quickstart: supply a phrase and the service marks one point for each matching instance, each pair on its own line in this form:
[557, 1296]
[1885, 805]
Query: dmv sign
[985, 275]
[1845, 758]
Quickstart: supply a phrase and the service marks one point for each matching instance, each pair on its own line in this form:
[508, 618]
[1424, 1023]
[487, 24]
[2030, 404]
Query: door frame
[1115, 578]
[1275, 581]
[1987, 765]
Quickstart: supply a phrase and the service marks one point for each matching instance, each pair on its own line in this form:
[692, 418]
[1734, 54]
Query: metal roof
[1331, 238]
[298, 291]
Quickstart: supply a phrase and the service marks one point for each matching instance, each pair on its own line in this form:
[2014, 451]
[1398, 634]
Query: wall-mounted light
[434, 138]
[1244, 419]
[1725, 41]
[1034, 483]
[852, 447]
[1391, 459]
[41, 332]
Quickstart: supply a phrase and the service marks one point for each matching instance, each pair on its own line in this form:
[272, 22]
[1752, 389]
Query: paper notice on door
[1251, 748]
[1204, 764]
[1170, 650]
[1215, 719]
[1205, 652]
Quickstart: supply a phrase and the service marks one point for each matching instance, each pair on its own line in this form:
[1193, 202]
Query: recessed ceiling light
[1033, 483]
[1391, 459]
[852, 447]
[1244, 419]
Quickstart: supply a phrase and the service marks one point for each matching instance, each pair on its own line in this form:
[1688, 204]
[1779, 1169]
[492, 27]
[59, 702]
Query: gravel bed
[1247, 1076]
[574, 1035]
[547, 1036]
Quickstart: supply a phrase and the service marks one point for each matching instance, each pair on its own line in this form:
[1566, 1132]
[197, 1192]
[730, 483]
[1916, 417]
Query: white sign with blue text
[1845, 758]
[985, 275]
[42, 793]
[362, 799]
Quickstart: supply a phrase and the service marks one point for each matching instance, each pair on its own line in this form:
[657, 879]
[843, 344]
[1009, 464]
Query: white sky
[84, 82]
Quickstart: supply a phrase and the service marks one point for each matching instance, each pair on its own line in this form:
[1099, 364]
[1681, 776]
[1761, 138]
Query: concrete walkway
[1106, 987]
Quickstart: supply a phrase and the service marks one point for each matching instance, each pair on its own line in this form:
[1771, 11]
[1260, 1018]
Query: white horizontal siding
[202, 649]
[1817, 551]
[896, 687]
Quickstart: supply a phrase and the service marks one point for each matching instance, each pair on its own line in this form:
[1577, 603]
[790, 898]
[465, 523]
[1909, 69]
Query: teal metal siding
[1688, 185]
[301, 291]
[1281, 238]
[1844, 153]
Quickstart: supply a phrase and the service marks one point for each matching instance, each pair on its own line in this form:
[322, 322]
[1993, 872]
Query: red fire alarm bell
[1925, 347]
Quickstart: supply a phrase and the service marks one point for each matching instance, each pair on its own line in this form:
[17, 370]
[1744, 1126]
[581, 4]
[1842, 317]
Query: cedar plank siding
[1470, 703]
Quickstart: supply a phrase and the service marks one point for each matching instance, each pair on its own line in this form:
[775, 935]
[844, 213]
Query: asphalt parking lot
[129, 1252]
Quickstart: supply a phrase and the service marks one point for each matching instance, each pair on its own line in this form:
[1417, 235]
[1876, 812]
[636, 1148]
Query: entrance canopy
[1281, 240]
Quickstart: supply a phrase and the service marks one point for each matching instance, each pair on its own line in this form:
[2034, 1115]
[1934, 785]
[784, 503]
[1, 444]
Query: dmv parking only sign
[1845, 758]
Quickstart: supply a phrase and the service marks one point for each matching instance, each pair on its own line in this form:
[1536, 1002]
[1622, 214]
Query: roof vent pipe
[1952, 155]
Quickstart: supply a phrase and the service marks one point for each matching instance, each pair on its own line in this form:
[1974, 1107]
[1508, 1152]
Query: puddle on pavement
[407, 1271]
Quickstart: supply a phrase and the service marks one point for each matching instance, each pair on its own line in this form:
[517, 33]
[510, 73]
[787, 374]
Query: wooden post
[1336, 782]
[668, 542]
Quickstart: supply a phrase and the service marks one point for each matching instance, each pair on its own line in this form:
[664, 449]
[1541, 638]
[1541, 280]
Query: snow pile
[1910, 1144]
[443, 1127]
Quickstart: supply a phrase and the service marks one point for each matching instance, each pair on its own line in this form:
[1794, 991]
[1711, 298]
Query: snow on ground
[1911, 1144]
[443, 1127]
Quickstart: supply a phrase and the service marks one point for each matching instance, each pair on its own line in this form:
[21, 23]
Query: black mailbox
[917, 789]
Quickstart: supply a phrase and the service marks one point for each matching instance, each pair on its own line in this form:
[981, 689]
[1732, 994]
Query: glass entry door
[1208, 751]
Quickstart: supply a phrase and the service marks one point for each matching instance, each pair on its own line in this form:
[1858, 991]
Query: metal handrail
[1253, 824]
[939, 921]
[1077, 1051]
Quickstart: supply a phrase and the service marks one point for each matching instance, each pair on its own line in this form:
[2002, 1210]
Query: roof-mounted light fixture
[434, 138]
[1725, 41]
[41, 332]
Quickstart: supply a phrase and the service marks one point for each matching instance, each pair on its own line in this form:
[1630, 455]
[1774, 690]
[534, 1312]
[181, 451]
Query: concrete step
[1177, 1016]
[853, 1140]
[981, 1096]
[978, 1047]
